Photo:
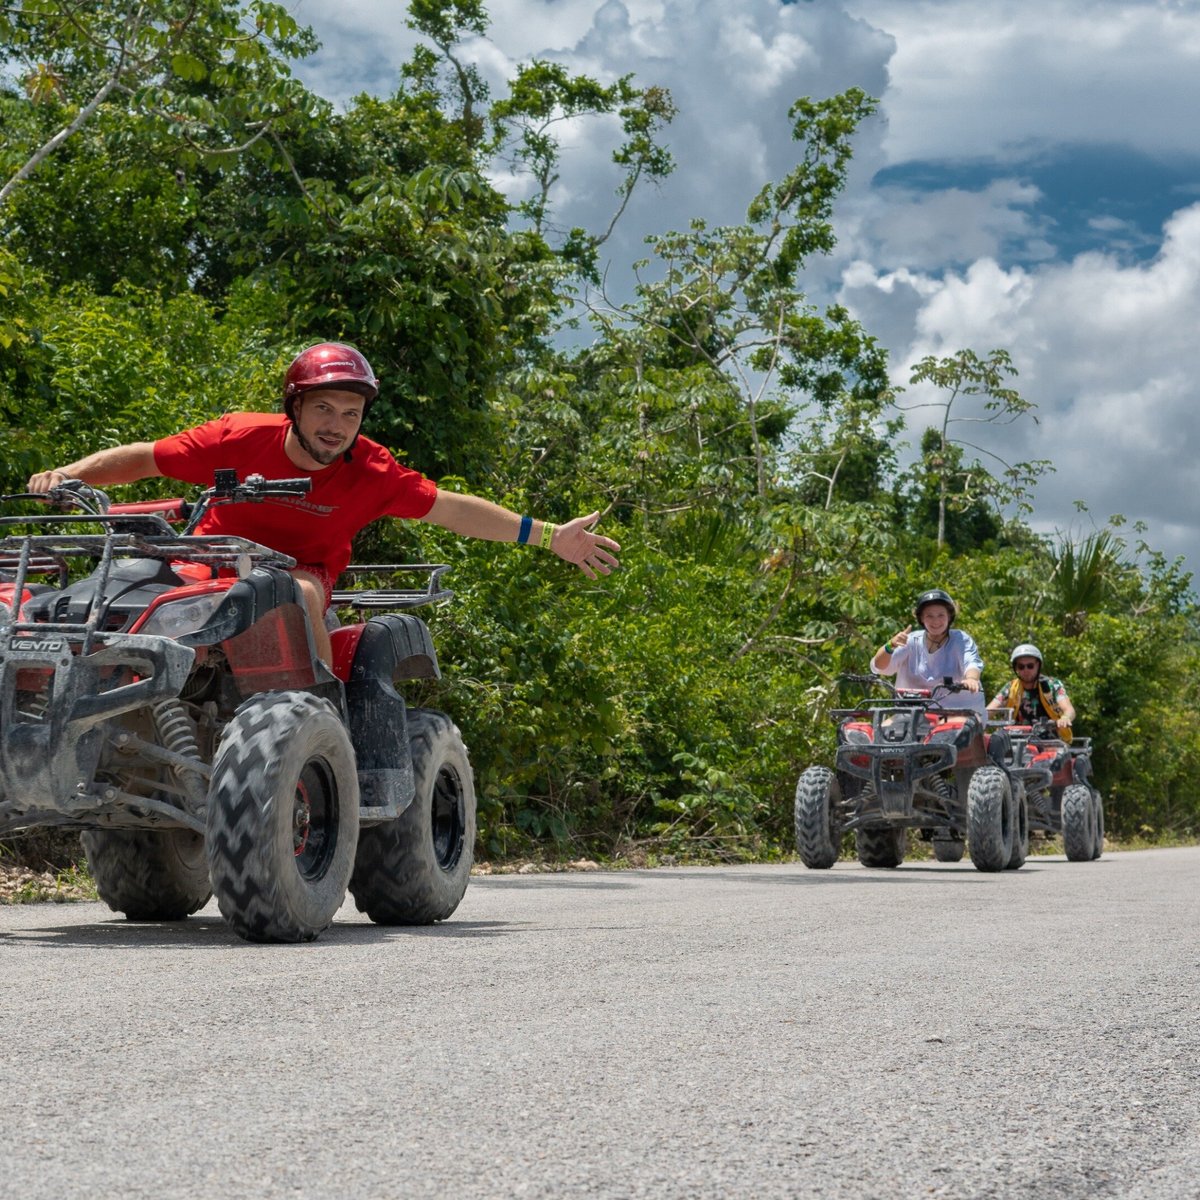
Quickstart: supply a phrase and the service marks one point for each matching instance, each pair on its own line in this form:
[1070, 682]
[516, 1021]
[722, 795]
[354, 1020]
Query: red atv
[159, 692]
[1057, 779]
[906, 763]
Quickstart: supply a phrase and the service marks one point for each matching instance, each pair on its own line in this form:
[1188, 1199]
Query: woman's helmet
[329, 365]
[1026, 650]
[936, 596]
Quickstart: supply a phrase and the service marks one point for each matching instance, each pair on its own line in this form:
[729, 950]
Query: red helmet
[329, 365]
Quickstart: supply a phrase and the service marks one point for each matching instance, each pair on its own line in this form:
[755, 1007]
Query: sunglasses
[1026, 666]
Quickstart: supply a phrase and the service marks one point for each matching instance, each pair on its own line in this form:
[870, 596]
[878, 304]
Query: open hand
[575, 543]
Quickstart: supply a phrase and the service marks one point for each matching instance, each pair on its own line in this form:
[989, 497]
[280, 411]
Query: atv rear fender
[370, 658]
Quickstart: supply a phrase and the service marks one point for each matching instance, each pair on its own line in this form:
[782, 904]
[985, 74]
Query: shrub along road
[765, 1031]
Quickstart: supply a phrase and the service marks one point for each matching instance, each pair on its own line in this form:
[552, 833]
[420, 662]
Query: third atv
[1058, 783]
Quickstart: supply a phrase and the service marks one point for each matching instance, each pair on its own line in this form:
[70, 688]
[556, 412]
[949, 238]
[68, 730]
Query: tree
[207, 77]
[544, 95]
[965, 375]
[727, 300]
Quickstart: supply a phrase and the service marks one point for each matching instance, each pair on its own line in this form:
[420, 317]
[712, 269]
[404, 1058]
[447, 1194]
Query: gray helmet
[936, 596]
[1026, 650]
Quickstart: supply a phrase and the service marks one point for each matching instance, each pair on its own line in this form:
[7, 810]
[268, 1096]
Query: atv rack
[127, 536]
[368, 598]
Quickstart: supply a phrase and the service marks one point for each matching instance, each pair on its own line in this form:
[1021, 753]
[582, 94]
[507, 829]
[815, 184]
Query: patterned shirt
[1030, 709]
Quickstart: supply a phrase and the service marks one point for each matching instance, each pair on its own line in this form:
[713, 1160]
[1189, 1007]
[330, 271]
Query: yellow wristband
[547, 534]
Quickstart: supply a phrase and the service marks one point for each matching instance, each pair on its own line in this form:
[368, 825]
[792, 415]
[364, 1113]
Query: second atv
[910, 763]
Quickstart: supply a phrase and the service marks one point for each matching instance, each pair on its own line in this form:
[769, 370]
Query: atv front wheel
[1020, 828]
[1078, 823]
[818, 830]
[881, 845]
[415, 869]
[1098, 848]
[148, 874]
[282, 817]
[989, 819]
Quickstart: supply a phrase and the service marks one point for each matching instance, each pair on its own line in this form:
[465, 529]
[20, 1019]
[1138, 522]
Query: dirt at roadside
[23, 885]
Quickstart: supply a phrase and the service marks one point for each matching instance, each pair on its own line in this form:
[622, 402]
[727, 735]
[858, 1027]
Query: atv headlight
[175, 618]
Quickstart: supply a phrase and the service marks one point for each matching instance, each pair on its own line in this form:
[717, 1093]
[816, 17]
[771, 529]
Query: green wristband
[888, 648]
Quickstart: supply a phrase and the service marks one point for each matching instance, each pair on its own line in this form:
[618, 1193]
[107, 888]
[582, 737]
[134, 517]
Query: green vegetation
[208, 217]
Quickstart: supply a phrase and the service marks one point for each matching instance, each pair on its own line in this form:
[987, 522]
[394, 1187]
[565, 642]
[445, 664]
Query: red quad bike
[908, 762]
[167, 702]
[1057, 778]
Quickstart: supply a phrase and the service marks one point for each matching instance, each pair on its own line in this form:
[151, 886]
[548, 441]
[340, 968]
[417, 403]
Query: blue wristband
[526, 529]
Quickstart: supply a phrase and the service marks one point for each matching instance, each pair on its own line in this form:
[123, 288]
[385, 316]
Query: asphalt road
[758, 1031]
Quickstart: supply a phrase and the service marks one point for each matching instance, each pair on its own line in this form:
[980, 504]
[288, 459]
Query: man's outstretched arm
[574, 542]
[121, 464]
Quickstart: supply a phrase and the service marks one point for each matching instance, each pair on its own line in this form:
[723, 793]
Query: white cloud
[1106, 351]
[926, 230]
[974, 80]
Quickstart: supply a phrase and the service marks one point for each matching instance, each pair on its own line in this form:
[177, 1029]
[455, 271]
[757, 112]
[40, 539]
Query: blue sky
[1032, 181]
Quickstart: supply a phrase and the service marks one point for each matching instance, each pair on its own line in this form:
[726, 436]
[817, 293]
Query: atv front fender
[46, 762]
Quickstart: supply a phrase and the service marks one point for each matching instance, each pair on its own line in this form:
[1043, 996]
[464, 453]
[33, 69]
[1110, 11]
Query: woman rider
[937, 651]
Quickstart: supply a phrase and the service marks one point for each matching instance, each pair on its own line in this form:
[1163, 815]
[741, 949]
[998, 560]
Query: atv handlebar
[71, 493]
[254, 488]
[138, 527]
[945, 688]
[227, 488]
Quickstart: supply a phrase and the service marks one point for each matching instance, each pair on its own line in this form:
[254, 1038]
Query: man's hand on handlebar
[57, 487]
[47, 481]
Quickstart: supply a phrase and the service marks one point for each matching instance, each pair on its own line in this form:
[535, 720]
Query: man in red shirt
[327, 392]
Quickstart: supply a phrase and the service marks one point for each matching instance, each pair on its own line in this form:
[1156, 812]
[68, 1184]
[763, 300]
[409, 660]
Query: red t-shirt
[315, 529]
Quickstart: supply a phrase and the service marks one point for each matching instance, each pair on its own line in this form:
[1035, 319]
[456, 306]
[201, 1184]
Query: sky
[1031, 182]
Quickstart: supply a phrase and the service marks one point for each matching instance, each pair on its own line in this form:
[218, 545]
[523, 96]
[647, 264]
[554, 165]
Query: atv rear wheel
[1078, 823]
[989, 819]
[1020, 828]
[948, 846]
[282, 817]
[415, 869]
[881, 845]
[818, 829]
[149, 874]
[948, 849]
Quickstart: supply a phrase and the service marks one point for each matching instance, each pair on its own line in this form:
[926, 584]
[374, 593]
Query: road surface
[761, 1031]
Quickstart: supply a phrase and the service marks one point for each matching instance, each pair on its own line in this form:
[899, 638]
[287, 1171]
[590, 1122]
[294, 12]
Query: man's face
[326, 422]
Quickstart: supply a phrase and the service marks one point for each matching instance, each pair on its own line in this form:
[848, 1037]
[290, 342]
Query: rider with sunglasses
[1034, 697]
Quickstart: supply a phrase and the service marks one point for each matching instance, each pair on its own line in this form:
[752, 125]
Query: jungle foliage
[179, 215]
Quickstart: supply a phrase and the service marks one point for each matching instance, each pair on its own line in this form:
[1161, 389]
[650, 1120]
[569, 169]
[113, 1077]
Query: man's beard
[323, 456]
